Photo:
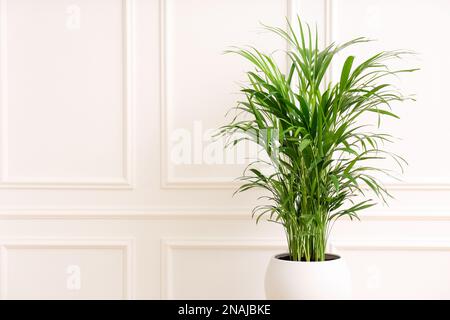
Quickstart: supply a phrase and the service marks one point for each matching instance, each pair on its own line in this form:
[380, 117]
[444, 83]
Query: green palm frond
[320, 161]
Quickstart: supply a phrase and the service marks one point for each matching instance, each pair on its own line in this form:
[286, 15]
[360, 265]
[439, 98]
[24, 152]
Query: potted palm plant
[323, 158]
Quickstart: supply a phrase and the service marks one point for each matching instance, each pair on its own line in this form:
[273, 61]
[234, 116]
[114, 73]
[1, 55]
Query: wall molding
[391, 244]
[167, 181]
[168, 245]
[335, 246]
[127, 245]
[415, 184]
[125, 182]
[196, 213]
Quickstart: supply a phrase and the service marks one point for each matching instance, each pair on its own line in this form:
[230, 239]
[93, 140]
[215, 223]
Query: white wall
[93, 95]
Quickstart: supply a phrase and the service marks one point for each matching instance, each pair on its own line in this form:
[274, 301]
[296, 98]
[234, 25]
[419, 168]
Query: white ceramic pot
[301, 280]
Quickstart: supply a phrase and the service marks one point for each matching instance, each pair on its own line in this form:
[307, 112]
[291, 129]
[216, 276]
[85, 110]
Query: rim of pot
[329, 257]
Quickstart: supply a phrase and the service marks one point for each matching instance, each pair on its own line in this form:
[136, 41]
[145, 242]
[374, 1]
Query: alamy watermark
[73, 280]
[203, 146]
[73, 20]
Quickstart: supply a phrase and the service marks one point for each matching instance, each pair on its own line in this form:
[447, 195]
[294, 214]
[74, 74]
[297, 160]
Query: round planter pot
[301, 280]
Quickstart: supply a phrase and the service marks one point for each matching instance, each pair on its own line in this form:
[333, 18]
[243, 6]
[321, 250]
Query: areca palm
[322, 150]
